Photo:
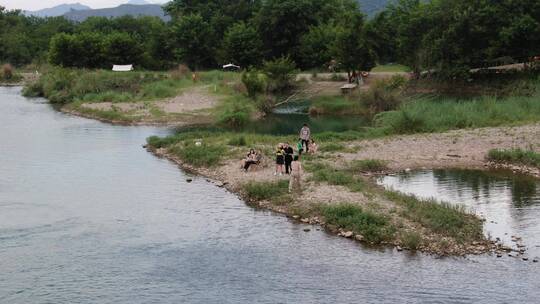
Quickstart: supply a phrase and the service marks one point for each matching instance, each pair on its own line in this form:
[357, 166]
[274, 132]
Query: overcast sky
[33, 5]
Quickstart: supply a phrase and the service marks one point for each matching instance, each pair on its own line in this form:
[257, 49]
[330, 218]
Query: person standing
[280, 160]
[296, 176]
[289, 151]
[305, 134]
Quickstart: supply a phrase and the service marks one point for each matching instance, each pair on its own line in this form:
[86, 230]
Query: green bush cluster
[375, 228]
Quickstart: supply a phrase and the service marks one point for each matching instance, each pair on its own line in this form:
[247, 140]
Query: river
[88, 216]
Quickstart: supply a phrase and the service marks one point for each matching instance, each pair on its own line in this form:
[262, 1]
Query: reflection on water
[88, 216]
[510, 203]
[282, 124]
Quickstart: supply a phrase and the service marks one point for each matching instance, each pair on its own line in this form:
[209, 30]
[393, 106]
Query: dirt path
[460, 148]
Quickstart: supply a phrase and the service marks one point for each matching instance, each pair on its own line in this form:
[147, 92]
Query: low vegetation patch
[439, 217]
[324, 173]
[367, 165]
[259, 191]
[515, 156]
[412, 240]
[375, 228]
[335, 105]
[207, 155]
[426, 114]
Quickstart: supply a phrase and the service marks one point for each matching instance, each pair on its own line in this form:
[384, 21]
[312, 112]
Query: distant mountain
[58, 10]
[119, 11]
[138, 2]
[372, 7]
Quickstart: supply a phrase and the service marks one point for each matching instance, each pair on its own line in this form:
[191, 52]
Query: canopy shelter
[122, 68]
[231, 66]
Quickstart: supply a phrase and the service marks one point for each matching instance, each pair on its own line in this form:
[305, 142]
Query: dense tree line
[450, 36]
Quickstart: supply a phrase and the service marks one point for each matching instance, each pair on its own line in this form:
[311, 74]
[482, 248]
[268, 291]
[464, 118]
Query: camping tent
[231, 66]
[122, 68]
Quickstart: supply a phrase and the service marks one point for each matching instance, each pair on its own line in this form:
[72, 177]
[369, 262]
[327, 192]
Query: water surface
[510, 203]
[88, 216]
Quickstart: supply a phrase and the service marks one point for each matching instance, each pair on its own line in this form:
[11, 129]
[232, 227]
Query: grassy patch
[324, 173]
[335, 105]
[515, 156]
[375, 228]
[259, 191]
[391, 68]
[442, 114]
[332, 147]
[412, 240]
[207, 155]
[441, 218]
[367, 165]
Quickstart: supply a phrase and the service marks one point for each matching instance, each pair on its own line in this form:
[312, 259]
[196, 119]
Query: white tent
[231, 66]
[122, 68]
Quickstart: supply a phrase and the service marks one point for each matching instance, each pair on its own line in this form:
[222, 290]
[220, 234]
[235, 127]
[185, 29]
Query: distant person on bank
[296, 175]
[289, 153]
[305, 134]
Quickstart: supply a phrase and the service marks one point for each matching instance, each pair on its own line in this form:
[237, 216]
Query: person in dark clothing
[289, 151]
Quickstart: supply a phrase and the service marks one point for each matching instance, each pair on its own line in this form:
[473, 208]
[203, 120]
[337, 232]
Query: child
[295, 180]
[313, 146]
[280, 160]
[251, 158]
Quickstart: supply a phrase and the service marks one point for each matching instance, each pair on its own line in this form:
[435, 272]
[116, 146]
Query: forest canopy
[449, 36]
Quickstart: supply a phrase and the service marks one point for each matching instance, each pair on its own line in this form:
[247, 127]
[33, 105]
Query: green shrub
[234, 112]
[281, 72]
[259, 191]
[375, 228]
[384, 95]
[255, 82]
[411, 240]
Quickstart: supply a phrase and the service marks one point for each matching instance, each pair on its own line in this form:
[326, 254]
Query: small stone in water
[348, 234]
[307, 229]
[189, 180]
[398, 248]
[499, 255]
[525, 259]
[535, 261]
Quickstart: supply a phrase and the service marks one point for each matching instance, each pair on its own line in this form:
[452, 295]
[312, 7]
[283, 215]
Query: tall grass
[441, 218]
[207, 155]
[375, 228]
[259, 191]
[515, 156]
[442, 114]
[335, 105]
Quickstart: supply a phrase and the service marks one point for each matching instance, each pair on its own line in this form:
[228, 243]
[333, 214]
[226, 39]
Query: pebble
[296, 217]
[307, 229]
[359, 237]
[499, 255]
[189, 180]
[348, 234]
[304, 220]
[535, 261]
[398, 248]
[525, 259]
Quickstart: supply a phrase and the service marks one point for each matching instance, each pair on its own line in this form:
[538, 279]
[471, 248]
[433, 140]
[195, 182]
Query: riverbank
[344, 174]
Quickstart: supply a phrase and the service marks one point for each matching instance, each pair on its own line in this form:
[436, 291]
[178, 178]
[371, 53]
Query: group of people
[287, 160]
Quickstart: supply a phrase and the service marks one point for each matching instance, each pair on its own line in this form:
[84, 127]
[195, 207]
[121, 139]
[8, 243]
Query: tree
[352, 50]
[121, 48]
[317, 44]
[242, 45]
[194, 42]
[84, 50]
